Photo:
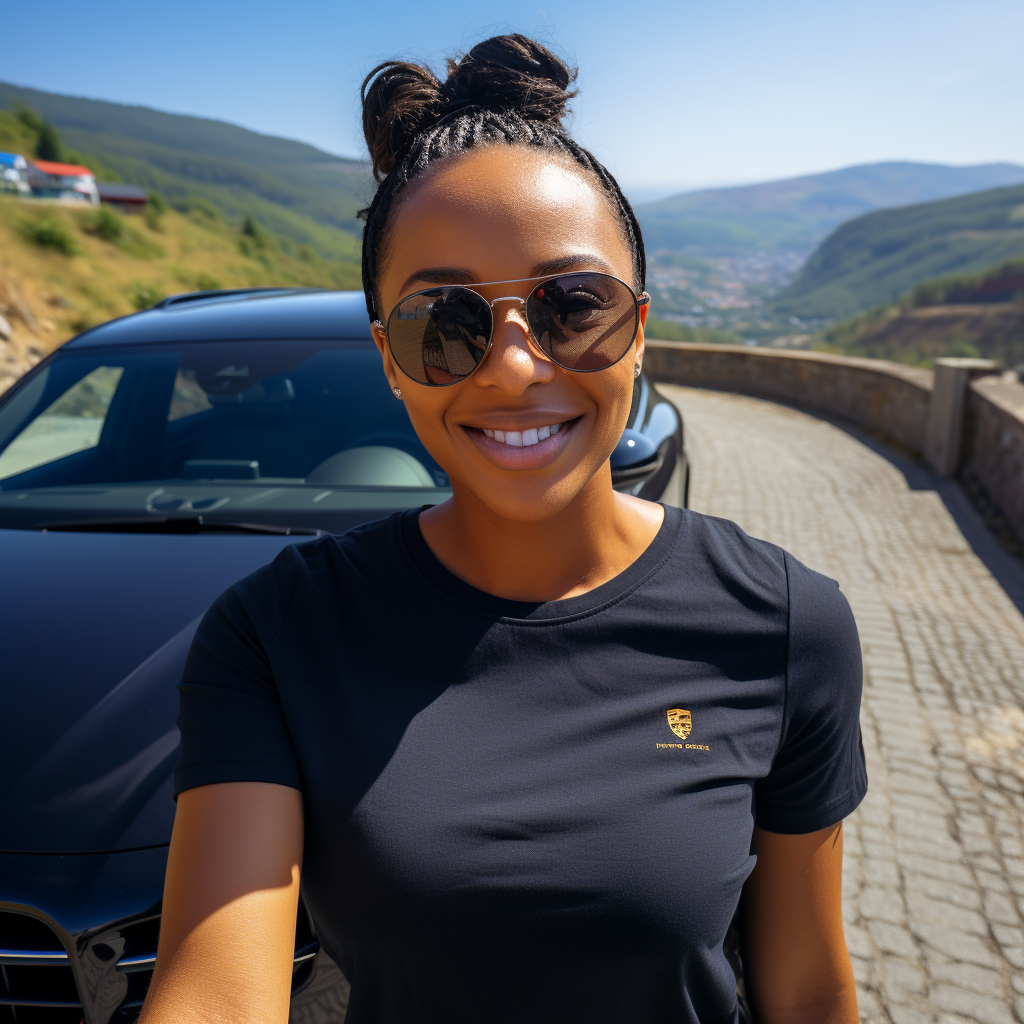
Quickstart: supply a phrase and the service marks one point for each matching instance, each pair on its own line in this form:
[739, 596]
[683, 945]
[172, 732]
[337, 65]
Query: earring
[636, 370]
[397, 392]
[377, 323]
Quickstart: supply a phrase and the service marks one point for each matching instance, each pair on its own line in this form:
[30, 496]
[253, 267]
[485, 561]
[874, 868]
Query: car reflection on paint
[146, 466]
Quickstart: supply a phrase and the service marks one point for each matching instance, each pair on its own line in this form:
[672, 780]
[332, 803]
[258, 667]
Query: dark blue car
[144, 467]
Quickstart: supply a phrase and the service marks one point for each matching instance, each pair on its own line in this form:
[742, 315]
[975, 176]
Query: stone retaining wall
[993, 451]
[882, 397]
[886, 399]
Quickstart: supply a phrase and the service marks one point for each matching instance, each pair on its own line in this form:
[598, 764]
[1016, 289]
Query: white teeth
[523, 438]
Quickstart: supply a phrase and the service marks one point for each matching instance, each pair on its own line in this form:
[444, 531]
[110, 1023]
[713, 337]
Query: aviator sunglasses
[583, 322]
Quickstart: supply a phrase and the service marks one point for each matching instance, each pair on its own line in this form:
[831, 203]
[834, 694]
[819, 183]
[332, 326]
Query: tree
[48, 146]
[252, 229]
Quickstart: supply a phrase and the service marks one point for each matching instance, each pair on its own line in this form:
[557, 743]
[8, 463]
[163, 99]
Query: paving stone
[1000, 910]
[973, 1005]
[899, 979]
[943, 913]
[955, 945]
[876, 903]
[969, 976]
[939, 840]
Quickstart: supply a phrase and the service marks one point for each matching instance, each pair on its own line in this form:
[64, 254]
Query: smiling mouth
[526, 438]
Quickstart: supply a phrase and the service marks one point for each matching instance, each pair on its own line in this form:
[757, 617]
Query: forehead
[498, 212]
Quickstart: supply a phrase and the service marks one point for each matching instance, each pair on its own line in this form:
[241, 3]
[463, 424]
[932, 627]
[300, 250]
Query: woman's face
[501, 213]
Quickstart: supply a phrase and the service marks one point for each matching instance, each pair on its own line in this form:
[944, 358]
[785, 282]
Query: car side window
[70, 424]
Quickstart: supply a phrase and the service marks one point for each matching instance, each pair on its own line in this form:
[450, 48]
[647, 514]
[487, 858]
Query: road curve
[934, 869]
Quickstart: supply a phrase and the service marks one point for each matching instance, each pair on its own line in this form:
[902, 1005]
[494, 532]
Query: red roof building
[63, 170]
[51, 180]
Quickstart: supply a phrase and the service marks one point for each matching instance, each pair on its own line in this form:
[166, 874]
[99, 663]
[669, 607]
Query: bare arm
[228, 928]
[796, 965]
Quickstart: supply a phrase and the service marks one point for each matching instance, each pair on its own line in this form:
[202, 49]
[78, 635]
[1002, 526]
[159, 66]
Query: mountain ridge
[798, 213]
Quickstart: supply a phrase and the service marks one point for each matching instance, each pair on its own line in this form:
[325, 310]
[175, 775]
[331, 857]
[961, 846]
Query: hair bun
[509, 73]
[399, 100]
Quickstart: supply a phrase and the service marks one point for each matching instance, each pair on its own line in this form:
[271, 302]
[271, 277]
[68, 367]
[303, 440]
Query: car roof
[288, 313]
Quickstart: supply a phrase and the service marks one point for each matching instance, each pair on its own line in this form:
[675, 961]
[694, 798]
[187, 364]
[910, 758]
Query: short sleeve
[818, 775]
[230, 716]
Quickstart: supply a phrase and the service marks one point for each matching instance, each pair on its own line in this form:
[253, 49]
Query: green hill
[291, 188]
[797, 213]
[962, 315]
[872, 260]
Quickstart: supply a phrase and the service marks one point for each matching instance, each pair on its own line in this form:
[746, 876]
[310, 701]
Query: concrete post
[943, 440]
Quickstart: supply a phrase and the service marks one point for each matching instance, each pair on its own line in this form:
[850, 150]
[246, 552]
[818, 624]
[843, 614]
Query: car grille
[37, 985]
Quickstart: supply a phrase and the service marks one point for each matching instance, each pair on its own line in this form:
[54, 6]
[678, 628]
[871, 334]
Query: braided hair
[507, 89]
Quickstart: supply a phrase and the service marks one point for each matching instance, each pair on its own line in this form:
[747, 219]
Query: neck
[588, 542]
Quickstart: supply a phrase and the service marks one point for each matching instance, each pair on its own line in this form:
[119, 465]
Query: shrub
[155, 210]
[206, 283]
[144, 295]
[103, 223]
[197, 208]
[49, 233]
[30, 119]
[252, 230]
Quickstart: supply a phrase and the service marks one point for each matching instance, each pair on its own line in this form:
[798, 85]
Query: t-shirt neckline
[614, 590]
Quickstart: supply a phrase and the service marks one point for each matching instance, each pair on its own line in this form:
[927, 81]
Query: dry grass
[47, 297]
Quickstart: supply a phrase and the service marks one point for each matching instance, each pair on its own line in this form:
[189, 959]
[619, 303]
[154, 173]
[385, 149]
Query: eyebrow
[460, 275]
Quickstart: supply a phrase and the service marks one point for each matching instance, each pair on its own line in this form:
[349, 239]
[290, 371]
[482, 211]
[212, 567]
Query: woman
[531, 746]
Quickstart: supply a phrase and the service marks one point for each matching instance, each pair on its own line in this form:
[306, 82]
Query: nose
[513, 362]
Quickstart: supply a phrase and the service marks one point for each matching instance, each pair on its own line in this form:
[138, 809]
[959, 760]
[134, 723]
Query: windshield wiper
[175, 524]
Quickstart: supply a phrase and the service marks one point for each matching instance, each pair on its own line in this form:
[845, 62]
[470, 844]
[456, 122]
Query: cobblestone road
[934, 869]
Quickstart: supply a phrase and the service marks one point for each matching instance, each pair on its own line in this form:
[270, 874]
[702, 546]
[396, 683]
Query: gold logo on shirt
[679, 722]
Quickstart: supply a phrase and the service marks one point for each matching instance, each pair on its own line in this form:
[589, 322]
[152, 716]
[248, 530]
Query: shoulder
[823, 636]
[717, 553]
[321, 569]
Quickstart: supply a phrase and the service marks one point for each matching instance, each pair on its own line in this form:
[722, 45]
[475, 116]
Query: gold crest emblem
[679, 722]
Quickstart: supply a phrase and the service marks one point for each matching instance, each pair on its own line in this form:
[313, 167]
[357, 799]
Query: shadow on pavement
[1007, 570]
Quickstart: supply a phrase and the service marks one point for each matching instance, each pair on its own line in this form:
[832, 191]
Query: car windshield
[299, 434]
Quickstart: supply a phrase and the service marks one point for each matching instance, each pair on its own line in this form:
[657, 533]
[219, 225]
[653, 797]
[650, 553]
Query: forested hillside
[290, 187]
[961, 315]
[874, 259]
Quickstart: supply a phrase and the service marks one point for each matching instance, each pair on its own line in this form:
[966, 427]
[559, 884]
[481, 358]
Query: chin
[528, 501]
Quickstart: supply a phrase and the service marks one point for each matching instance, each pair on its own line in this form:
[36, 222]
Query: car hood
[94, 630]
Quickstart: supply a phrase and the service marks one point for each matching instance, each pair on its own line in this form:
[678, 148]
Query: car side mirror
[633, 449]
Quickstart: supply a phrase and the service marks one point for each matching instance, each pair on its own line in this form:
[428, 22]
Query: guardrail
[963, 418]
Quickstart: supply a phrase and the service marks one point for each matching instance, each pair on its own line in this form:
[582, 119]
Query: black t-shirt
[524, 812]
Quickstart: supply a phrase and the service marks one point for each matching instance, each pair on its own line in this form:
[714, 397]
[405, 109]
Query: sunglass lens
[583, 321]
[438, 336]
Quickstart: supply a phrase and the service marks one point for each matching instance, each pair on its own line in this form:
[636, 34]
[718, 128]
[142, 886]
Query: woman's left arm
[796, 966]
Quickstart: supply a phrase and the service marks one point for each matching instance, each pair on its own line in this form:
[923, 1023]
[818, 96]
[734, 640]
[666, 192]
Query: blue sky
[674, 95]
